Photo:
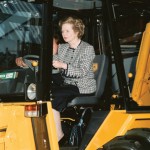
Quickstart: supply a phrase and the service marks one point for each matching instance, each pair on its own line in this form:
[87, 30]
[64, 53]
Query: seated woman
[74, 59]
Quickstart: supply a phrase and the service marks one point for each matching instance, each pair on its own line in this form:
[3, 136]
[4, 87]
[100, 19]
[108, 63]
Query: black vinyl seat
[100, 68]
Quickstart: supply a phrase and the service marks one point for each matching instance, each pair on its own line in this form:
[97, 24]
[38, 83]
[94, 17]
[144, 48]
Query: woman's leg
[59, 131]
[61, 95]
[60, 98]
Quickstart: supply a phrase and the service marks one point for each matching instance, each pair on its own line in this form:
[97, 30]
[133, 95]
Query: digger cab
[26, 30]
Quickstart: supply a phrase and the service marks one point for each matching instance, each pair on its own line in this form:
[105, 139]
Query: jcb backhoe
[121, 122]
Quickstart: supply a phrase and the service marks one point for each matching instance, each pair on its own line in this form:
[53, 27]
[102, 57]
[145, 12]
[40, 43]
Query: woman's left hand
[59, 65]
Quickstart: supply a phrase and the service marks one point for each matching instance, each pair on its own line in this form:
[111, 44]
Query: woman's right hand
[59, 65]
[20, 62]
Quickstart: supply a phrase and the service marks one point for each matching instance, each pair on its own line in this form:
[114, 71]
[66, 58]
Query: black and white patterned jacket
[79, 70]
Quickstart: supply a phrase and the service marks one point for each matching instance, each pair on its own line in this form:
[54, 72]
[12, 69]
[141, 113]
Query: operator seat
[100, 68]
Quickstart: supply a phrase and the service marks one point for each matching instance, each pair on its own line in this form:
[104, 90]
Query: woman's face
[68, 33]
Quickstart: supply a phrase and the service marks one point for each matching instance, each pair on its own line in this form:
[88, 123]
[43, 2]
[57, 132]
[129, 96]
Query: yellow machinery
[29, 125]
[17, 119]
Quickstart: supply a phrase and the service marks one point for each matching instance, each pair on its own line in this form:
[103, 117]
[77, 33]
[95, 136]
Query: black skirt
[60, 95]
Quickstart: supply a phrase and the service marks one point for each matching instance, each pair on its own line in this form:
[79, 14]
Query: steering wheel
[27, 60]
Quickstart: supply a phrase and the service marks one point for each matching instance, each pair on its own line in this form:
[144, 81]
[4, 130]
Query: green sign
[8, 75]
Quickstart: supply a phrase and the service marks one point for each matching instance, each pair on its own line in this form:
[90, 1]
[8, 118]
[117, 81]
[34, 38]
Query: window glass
[20, 31]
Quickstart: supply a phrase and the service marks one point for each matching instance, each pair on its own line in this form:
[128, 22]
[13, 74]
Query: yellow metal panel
[51, 129]
[19, 134]
[117, 123]
[141, 87]
[19, 131]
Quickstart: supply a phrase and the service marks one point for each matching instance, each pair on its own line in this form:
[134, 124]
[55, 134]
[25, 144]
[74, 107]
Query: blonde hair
[77, 24]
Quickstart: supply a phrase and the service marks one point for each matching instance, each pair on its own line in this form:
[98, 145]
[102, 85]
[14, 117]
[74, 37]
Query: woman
[74, 59]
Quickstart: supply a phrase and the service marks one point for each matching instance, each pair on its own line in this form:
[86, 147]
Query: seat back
[100, 68]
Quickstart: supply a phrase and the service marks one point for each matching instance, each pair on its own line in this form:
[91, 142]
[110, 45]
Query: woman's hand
[59, 65]
[20, 62]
